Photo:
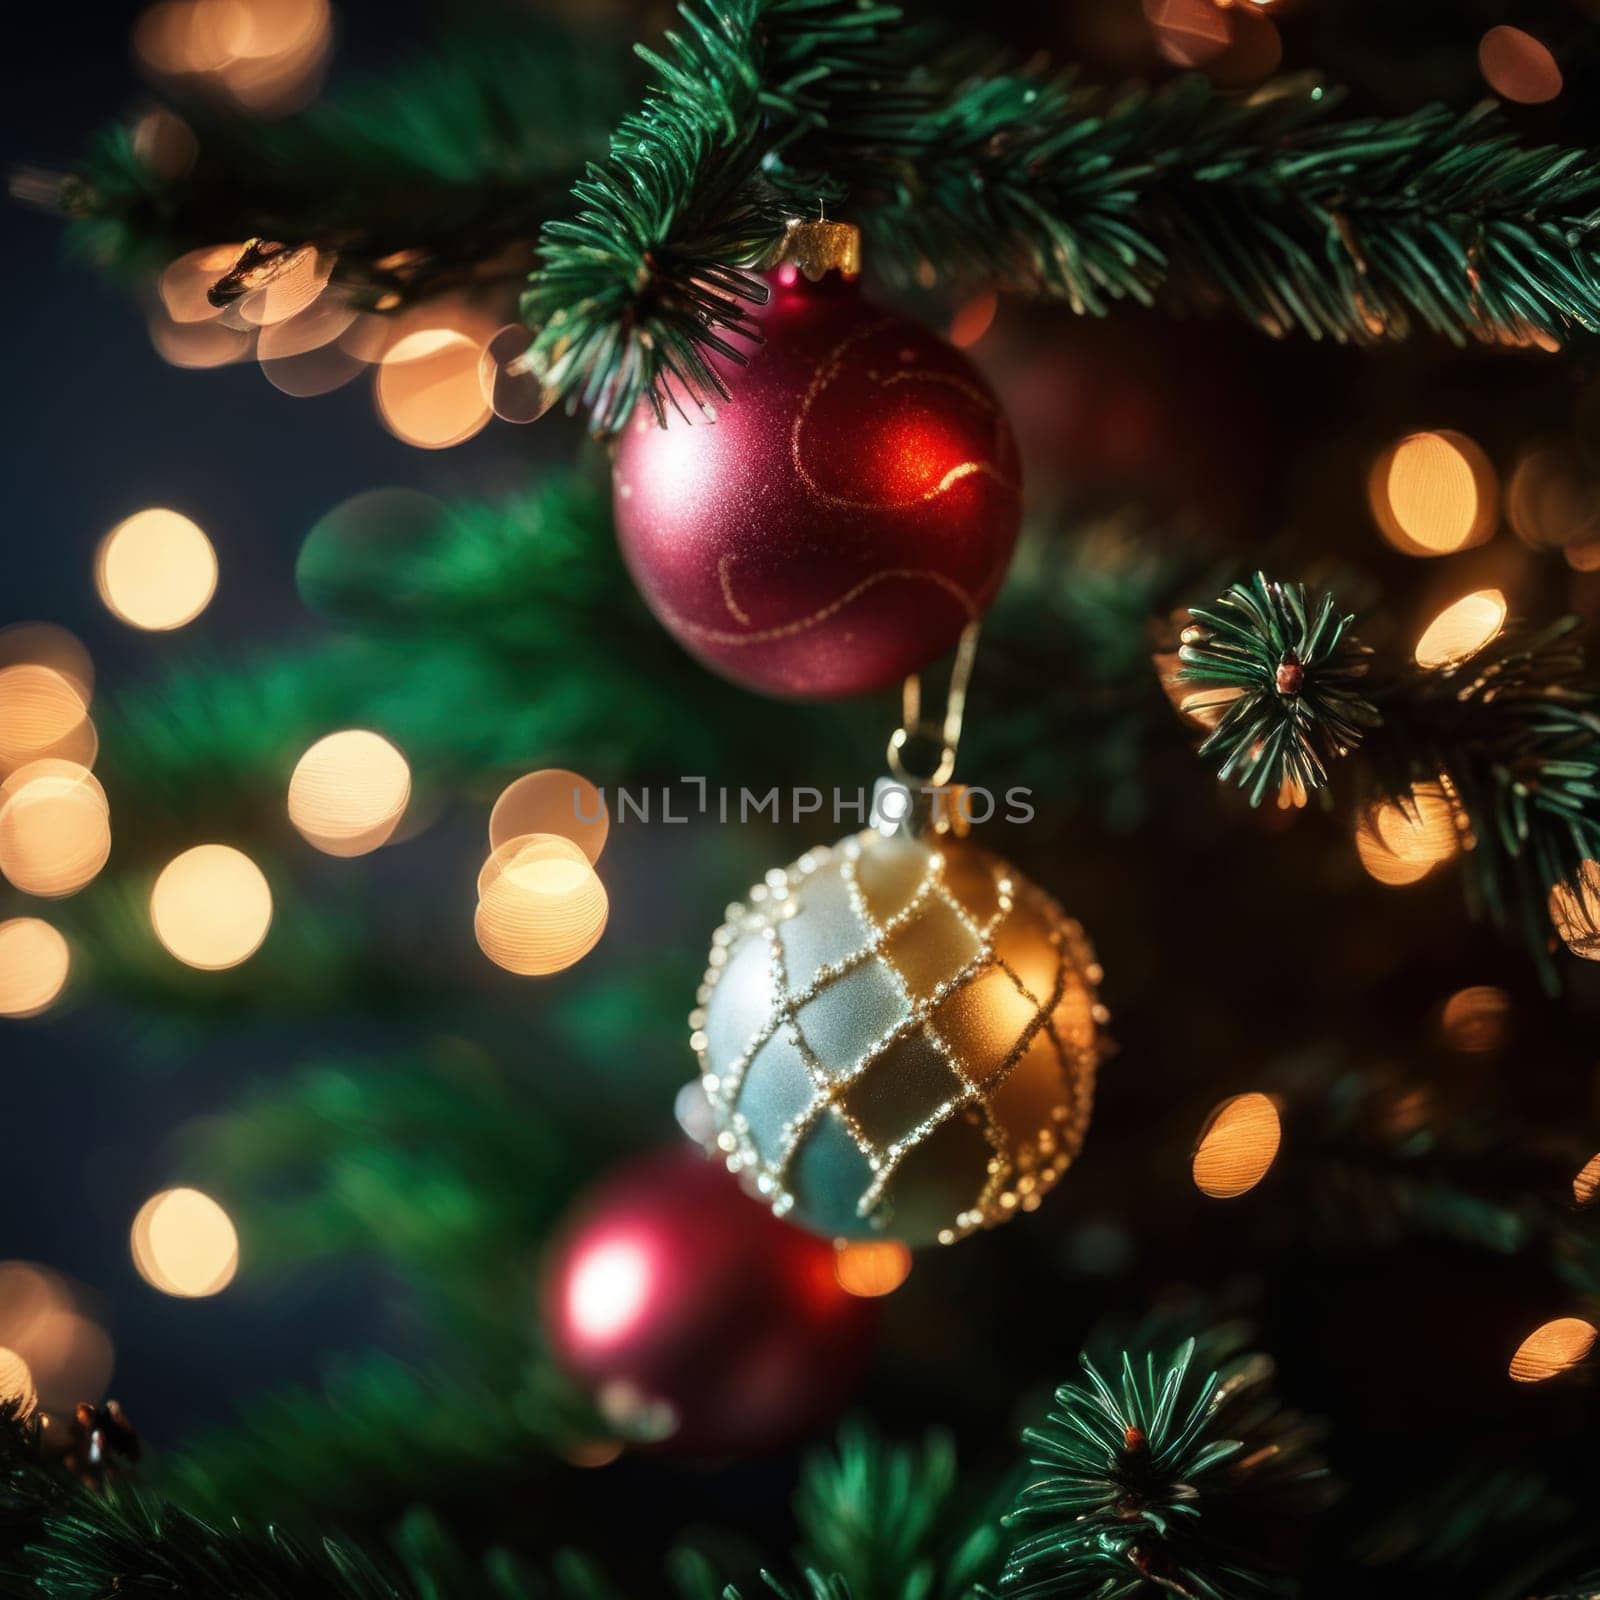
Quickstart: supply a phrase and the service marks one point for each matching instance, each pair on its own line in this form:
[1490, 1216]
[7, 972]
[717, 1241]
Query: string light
[156, 570]
[34, 962]
[1551, 1349]
[1237, 1145]
[871, 1268]
[211, 907]
[349, 792]
[55, 828]
[1462, 629]
[1518, 67]
[1434, 493]
[542, 908]
[184, 1244]
[552, 800]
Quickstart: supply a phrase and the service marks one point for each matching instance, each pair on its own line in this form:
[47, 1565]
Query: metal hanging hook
[946, 734]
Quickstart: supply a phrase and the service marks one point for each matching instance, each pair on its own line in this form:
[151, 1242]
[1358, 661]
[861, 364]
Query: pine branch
[1170, 1482]
[437, 176]
[1509, 731]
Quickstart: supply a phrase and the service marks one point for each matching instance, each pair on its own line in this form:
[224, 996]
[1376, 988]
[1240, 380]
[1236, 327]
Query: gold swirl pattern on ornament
[788, 630]
[999, 1196]
[829, 368]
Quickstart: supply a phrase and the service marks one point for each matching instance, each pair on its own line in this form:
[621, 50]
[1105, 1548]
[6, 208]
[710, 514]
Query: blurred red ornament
[696, 1317]
[841, 519]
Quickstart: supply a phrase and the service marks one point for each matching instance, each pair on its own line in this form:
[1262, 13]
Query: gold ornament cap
[821, 247]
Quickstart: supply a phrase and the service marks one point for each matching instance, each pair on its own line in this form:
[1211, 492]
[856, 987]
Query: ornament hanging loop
[945, 735]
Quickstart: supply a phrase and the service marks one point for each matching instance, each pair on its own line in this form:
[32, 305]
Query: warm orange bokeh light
[1551, 1349]
[1587, 1181]
[184, 1244]
[1237, 1145]
[973, 320]
[156, 570]
[1400, 844]
[1462, 629]
[55, 828]
[429, 392]
[1476, 1020]
[512, 385]
[34, 963]
[211, 907]
[1518, 67]
[1434, 493]
[349, 792]
[267, 56]
[542, 907]
[43, 712]
[16, 1383]
[1575, 911]
[552, 800]
[872, 1267]
[185, 286]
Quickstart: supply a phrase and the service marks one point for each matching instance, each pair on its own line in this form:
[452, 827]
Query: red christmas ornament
[697, 1318]
[846, 515]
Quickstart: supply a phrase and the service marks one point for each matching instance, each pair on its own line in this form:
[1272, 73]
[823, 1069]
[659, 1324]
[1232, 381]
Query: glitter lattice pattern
[898, 1035]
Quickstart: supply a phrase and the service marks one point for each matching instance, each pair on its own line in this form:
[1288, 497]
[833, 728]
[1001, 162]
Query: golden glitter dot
[552, 801]
[1434, 493]
[34, 962]
[16, 1384]
[1236, 1146]
[156, 570]
[1575, 911]
[1476, 1020]
[1462, 629]
[1587, 1181]
[872, 1267]
[55, 830]
[211, 907]
[1518, 67]
[1552, 1348]
[349, 792]
[543, 908]
[184, 1244]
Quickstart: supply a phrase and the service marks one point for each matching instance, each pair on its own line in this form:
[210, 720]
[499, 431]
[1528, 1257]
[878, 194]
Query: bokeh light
[184, 1244]
[185, 284]
[543, 908]
[55, 828]
[1476, 1020]
[156, 570]
[266, 56]
[869, 1268]
[1551, 1349]
[17, 1387]
[552, 800]
[1575, 911]
[512, 384]
[1237, 1145]
[973, 320]
[1399, 844]
[429, 392]
[1434, 493]
[1587, 1181]
[349, 792]
[1553, 498]
[1518, 67]
[211, 907]
[46, 1321]
[34, 962]
[1462, 629]
[43, 713]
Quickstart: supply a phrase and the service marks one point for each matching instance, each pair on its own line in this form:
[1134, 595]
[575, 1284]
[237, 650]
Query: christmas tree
[590, 1091]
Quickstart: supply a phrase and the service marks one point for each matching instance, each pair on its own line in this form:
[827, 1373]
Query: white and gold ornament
[898, 1037]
